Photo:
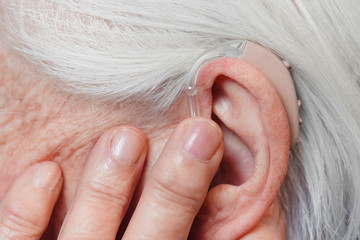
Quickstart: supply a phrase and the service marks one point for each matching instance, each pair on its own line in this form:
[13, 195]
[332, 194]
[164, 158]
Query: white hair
[143, 49]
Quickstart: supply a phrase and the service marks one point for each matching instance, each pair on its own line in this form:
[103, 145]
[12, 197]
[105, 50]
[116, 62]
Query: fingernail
[127, 145]
[201, 140]
[47, 175]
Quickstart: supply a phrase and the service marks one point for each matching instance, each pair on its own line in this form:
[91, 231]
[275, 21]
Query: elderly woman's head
[71, 69]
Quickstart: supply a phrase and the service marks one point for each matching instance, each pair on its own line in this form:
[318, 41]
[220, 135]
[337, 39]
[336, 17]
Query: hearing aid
[277, 70]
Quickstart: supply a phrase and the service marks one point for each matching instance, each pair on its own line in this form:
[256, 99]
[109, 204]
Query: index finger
[178, 183]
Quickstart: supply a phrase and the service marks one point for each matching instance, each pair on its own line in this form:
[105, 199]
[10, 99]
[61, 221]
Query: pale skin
[91, 178]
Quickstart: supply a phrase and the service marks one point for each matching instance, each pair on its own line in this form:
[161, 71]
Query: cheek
[6, 179]
[179, 110]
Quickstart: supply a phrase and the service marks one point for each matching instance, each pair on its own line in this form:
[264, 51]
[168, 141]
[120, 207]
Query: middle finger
[107, 185]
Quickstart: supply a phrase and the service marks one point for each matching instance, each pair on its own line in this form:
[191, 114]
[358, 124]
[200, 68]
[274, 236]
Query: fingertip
[206, 120]
[46, 175]
[131, 129]
[123, 144]
[134, 130]
[127, 144]
[202, 139]
[26, 208]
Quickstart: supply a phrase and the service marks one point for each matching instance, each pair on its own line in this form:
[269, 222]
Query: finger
[178, 183]
[107, 185]
[26, 209]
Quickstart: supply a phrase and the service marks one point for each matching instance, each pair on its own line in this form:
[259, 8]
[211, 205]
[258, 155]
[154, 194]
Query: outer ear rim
[234, 68]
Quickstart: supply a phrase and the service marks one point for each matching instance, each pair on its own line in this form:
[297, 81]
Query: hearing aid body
[276, 69]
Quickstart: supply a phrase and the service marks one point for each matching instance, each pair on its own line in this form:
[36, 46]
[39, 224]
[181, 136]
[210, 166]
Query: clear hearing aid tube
[229, 49]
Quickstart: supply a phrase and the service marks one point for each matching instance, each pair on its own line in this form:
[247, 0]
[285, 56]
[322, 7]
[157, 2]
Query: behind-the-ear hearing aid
[276, 69]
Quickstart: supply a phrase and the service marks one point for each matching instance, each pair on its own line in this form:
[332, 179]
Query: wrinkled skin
[39, 123]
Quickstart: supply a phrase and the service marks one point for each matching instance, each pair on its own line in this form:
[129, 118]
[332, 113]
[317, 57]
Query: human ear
[246, 104]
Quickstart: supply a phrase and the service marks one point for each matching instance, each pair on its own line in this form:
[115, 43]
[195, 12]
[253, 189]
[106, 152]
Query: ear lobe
[257, 141]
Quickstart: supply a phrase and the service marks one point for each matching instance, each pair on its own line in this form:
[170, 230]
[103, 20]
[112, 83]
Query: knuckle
[175, 194]
[103, 195]
[17, 221]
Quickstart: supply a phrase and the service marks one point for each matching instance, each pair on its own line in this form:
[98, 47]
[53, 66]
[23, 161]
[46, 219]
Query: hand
[173, 192]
